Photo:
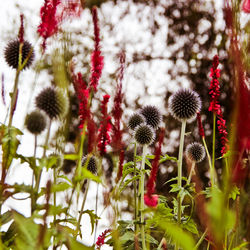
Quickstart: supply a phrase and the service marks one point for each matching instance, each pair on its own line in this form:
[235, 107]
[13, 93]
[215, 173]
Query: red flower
[21, 30]
[201, 129]
[49, 22]
[214, 86]
[151, 200]
[96, 57]
[117, 110]
[246, 6]
[155, 164]
[69, 9]
[92, 134]
[101, 238]
[103, 136]
[121, 160]
[214, 104]
[83, 96]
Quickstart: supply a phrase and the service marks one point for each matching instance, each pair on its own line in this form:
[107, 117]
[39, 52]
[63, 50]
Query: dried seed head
[184, 104]
[152, 115]
[135, 120]
[53, 102]
[11, 53]
[195, 152]
[144, 134]
[92, 164]
[35, 122]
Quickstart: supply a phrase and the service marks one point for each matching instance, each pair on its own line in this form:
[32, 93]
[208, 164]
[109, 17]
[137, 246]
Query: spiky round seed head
[11, 53]
[135, 120]
[184, 104]
[35, 122]
[92, 164]
[152, 115]
[144, 134]
[68, 165]
[195, 152]
[52, 102]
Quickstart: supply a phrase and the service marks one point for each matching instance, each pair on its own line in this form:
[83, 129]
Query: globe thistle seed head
[35, 122]
[152, 115]
[11, 53]
[184, 104]
[92, 164]
[135, 120]
[144, 134]
[53, 102]
[195, 152]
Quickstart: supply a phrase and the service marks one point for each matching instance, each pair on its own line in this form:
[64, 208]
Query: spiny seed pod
[11, 53]
[52, 102]
[35, 122]
[184, 104]
[92, 164]
[68, 165]
[135, 120]
[152, 115]
[144, 134]
[195, 152]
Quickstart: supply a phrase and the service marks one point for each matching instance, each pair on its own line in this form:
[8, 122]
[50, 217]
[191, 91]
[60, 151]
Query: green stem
[40, 170]
[213, 177]
[201, 239]
[191, 173]
[144, 151]
[33, 177]
[179, 177]
[83, 204]
[135, 191]
[96, 211]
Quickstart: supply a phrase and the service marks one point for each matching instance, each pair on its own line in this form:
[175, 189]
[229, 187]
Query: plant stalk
[144, 151]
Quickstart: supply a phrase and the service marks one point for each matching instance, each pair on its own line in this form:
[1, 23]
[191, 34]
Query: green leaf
[60, 187]
[10, 143]
[179, 236]
[234, 192]
[5, 217]
[86, 174]
[25, 159]
[240, 247]
[126, 183]
[190, 226]
[76, 245]
[151, 239]
[72, 157]
[93, 218]
[168, 158]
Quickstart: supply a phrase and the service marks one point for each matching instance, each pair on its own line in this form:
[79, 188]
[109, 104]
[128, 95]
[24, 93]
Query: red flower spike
[105, 127]
[117, 109]
[49, 21]
[246, 6]
[121, 160]
[83, 95]
[214, 104]
[151, 200]
[96, 57]
[21, 30]
[200, 126]
[101, 238]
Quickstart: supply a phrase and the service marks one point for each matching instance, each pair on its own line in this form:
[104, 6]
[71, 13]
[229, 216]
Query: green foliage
[93, 218]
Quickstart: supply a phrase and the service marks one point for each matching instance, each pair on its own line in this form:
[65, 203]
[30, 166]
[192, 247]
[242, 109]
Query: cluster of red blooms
[246, 6]
[214, 104]
[49, 21]
[69, 9]
[105, 127]
[101, 238]
[150, 199]
[96, 57]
